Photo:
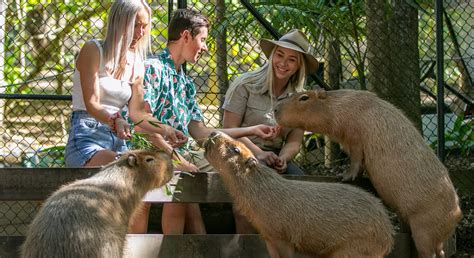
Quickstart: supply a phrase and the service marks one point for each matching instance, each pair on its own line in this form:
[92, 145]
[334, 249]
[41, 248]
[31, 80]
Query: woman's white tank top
[114, 93]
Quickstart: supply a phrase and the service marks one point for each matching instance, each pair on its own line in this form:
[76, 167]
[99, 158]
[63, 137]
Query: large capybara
[89, 217]
[317, 219]
[402, 167]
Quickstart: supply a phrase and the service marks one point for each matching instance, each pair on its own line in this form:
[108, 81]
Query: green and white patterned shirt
[170, 94]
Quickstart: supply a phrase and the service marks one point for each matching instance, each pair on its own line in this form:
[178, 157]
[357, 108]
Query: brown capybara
[317, 219]
[89, 217]
[401, 166]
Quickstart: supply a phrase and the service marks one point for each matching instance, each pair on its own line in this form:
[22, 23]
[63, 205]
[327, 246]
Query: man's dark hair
[186, 19]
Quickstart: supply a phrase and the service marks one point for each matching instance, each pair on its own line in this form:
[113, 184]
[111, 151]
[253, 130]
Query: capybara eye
[235, 150]
[303, 97]
[149, 159]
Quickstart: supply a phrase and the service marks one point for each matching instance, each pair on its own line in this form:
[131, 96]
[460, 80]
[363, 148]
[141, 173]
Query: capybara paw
[348, 177]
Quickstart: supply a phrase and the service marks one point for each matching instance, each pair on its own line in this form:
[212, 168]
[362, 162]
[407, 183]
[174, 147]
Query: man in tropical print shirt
[170, 93]
[171, 98]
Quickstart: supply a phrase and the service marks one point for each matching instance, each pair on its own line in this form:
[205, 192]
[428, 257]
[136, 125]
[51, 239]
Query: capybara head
[148, 166]
[294, 111]
[228, 155]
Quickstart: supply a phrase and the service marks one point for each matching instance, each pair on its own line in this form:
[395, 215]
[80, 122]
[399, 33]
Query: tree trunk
[392, 55]
[221, 53]
[332, 74]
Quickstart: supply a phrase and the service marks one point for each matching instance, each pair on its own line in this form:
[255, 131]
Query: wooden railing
[23, 184]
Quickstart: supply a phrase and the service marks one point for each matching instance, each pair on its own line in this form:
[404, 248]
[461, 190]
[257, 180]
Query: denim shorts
[87, 136]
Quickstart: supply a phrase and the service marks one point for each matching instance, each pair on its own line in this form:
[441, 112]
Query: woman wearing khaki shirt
[252, 96]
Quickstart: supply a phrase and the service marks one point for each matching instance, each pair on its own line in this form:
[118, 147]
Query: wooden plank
[10, 245]
[186, 246]
[192, 188]
[18, 184]
[37, 183]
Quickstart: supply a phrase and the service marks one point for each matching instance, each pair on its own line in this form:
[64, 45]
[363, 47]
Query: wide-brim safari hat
[295, 40]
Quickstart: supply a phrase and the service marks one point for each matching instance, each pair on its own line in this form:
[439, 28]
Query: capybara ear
[322, 94]
[132, 160]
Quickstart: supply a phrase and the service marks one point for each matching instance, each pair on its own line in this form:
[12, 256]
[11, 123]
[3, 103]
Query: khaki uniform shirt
[256, 109]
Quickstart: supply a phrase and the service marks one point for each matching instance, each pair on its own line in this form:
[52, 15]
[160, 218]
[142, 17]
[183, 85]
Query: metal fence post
[170, 9]
[182, 4]
[440, 78]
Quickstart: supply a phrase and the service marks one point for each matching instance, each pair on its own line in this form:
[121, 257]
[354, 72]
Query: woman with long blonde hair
[108, 76]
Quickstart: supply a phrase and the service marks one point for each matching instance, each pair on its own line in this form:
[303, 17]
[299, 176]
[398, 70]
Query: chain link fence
[390, 51]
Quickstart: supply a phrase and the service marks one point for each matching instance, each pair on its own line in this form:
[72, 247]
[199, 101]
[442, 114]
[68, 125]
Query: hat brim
[267, 46]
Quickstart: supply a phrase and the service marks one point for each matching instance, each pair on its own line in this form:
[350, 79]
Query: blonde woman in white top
[109, 76]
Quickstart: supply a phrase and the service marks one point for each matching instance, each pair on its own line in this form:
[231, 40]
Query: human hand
[266, 132]
[280, 165]
[173, 136]
[122, 129]
[138, 81]
[111, 121]
[186, 166]
[268, 157]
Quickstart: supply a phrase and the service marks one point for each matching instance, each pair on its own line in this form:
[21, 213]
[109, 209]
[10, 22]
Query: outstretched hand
[268, 157]
[137, 81]
[280, 165]
[119, 126]
[122, 129]
[186, 166]
[272, 160]
[174, 137]
[266, 132]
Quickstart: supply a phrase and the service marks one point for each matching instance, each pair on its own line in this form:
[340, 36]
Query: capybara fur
[89, 217]
[313, 218]
[401, 166]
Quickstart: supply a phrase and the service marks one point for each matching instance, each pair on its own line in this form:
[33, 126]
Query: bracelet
[113, 117]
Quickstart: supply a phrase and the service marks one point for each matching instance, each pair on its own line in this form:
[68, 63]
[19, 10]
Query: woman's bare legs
[179, 218]
[194, 223]
[173, 218]
[101, 158]
[139, 222]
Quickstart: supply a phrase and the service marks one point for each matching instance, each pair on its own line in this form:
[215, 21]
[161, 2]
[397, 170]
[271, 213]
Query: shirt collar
[165, 55]
[284, 95]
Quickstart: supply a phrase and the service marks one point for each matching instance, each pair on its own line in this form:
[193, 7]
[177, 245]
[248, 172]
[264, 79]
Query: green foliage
[36, 29]
[140, 142]
[44, 158]
[461, 136]
[342, 21]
